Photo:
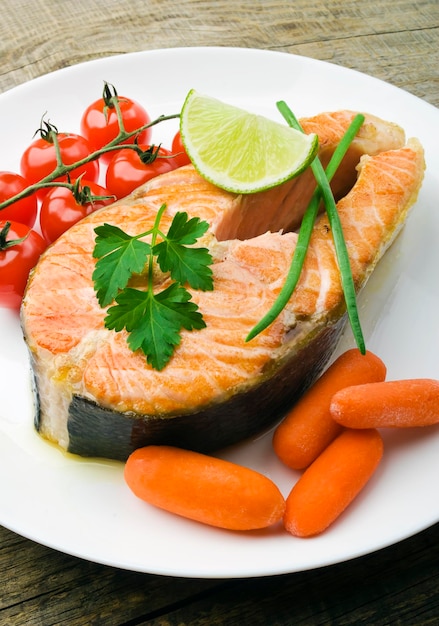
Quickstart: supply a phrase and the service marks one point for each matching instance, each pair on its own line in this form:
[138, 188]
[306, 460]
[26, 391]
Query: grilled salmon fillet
[98, 398]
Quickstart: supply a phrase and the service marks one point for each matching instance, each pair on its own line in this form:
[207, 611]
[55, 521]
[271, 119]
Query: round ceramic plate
[83, 507]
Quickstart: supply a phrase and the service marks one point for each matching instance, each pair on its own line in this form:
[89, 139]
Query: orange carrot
[204, 488]
[399, 404]
[308, 428]
[330, 484]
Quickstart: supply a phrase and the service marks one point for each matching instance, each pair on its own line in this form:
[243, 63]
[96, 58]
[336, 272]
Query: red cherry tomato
[100, 125]
[23, 211]
[62, 208]
[39, 159]
[17, 261]
[179, 152]
[126, 171]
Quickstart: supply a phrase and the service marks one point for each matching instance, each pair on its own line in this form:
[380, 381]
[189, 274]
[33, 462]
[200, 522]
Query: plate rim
[11, 93]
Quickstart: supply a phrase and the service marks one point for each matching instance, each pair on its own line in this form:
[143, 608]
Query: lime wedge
[240, 151]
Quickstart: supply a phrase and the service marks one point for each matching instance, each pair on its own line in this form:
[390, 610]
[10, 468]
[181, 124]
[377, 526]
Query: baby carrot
[204, 488]
[330, 484]
[398, 403]
[308, 428]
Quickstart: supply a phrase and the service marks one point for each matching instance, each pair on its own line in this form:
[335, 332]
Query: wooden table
[395, 40]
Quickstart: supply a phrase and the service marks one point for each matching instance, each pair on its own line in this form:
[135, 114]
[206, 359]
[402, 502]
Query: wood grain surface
[397, 586]
[394, 40]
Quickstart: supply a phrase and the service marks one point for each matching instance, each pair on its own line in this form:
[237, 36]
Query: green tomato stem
[5, 243]
[114, 101]
[54, 140]
[62, 169]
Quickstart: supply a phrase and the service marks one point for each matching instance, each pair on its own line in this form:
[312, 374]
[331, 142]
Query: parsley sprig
[153, 318]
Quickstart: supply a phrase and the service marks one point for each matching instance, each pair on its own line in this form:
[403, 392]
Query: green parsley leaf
[186, 231]
[154, 321]
[120, 255]
[185, 264]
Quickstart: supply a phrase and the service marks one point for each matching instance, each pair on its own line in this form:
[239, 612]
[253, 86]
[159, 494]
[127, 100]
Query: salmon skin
[98, 398]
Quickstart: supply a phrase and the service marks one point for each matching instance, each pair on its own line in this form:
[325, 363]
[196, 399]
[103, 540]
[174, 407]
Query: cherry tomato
[61, 208]
[39, 159]
[179, 152]
[17, 261]
[100, 125]
[126, 171]
[23, 211]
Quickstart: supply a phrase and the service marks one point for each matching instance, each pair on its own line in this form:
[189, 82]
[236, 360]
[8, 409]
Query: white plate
[82, 507]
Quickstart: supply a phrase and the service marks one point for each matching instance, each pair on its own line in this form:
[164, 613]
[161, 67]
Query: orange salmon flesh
[98, 398]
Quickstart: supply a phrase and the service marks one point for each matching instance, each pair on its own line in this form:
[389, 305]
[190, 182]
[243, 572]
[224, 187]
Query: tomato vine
[49, 132]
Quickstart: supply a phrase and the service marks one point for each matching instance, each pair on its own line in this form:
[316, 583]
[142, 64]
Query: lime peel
[239, 151]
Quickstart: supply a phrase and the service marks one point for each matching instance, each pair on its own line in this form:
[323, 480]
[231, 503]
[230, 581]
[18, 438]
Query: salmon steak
[97, 398]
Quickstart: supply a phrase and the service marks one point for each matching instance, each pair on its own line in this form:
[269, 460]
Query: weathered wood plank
[397, 585]
[40, 586]
[363, 36]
